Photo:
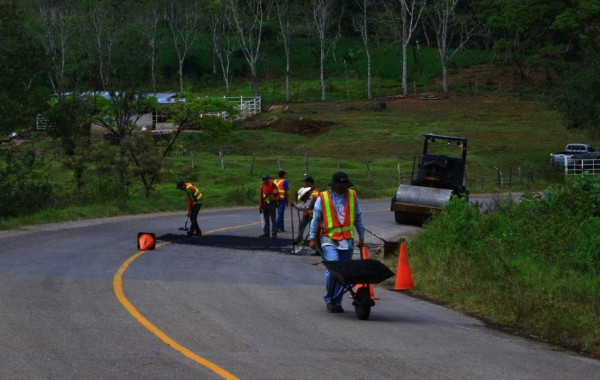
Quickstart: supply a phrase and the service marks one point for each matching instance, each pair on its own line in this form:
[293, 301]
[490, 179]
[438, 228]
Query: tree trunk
[445, 75]
[404, 69]
[255, 88]
[322, 74]
[287, 73]
[369, 93]
[181, 75]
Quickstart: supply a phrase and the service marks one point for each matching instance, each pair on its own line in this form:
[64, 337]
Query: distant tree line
[58, 46]
[130, 48]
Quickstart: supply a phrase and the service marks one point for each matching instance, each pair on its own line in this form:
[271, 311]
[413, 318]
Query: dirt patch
[295, 125]
[498, 77]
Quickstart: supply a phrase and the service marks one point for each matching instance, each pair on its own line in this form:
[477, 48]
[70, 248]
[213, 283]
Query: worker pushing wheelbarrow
[336, 214]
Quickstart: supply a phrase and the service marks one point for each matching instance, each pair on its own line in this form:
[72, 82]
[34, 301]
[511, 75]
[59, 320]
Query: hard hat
[303, 193]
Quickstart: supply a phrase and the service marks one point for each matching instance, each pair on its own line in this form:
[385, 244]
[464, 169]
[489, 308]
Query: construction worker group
[331, 215]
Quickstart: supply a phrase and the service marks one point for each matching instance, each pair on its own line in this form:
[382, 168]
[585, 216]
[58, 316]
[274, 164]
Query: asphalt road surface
[79, 301]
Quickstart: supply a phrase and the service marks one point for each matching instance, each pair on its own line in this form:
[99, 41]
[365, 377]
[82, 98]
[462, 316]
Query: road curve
[238, 302]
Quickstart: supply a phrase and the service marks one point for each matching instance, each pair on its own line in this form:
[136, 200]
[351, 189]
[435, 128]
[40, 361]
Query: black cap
[180, 184]
[266, 176]
[340, 179]
[309, 179]
[282, 173]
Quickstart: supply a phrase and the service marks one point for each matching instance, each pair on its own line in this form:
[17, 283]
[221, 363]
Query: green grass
[511, 135]
[532, 267]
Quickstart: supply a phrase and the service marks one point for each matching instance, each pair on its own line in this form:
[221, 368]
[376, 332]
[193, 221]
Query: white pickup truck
[574, 151]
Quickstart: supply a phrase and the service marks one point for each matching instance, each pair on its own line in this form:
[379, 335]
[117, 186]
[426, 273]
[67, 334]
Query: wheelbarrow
[350, 273]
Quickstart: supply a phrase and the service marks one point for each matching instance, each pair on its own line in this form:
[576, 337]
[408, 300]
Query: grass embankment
[533, 267]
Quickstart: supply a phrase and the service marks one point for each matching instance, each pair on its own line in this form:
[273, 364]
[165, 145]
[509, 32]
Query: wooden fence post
[222, 159]
[252, 164]
[306, 171]
[500, 181]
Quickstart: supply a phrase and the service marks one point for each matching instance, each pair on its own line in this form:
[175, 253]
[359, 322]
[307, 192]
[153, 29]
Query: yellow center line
[118, 289]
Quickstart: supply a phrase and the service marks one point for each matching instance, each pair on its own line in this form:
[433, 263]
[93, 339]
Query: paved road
[77, 301]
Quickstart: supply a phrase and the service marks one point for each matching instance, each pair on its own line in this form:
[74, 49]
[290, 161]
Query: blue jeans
[331, 253]
[269, 212]
[280, 212]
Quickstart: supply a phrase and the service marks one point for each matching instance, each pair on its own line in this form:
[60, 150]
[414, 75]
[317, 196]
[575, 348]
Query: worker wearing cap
[269, 196]
[194, 198]
[308, 194]
[283, 187]
[336, 214]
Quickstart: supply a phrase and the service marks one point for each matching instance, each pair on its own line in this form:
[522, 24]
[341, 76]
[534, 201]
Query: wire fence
[385, 173]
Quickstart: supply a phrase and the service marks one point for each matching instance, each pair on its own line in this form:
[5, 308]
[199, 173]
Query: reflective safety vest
[331, 226]
[279, 183]
[193, 193]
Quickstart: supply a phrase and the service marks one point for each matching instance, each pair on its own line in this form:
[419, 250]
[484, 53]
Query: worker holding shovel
[308, 195]
[194, 198]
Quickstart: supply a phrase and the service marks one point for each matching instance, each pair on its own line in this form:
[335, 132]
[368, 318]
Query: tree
[579, 98]
[224, 44]
[23, 65]
[150, 19]
[116, 40]
[70, 118]
[361, 24]
[247, 18]
[58, 25]
[183, 17]
[328, 31]
[410, 12]
[444, 21]
[285, 14]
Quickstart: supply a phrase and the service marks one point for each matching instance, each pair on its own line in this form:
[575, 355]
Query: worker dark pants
[305, 221]
[269, 218]
[195, 228]
[280, 215]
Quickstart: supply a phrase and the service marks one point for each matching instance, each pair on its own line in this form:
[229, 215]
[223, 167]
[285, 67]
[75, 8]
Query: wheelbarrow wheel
[363, 303]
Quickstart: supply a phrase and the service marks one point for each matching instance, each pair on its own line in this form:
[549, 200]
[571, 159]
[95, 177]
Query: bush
[532, 265]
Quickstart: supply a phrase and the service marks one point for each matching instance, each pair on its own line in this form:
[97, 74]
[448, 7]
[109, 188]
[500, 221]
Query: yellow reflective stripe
[196, 196]
[280, 189]
[352, 202]
[327, 211]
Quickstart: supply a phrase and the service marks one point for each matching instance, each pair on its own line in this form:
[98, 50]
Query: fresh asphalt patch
[231, 242]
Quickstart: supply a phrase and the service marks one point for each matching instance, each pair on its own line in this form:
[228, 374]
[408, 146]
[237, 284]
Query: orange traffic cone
[365, 256]
[404, 279]
[146, 241]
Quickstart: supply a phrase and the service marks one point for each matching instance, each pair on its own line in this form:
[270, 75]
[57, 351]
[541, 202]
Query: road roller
[437, 174]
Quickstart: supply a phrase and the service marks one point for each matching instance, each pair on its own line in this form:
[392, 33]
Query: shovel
[185, 227]
[389, 247]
